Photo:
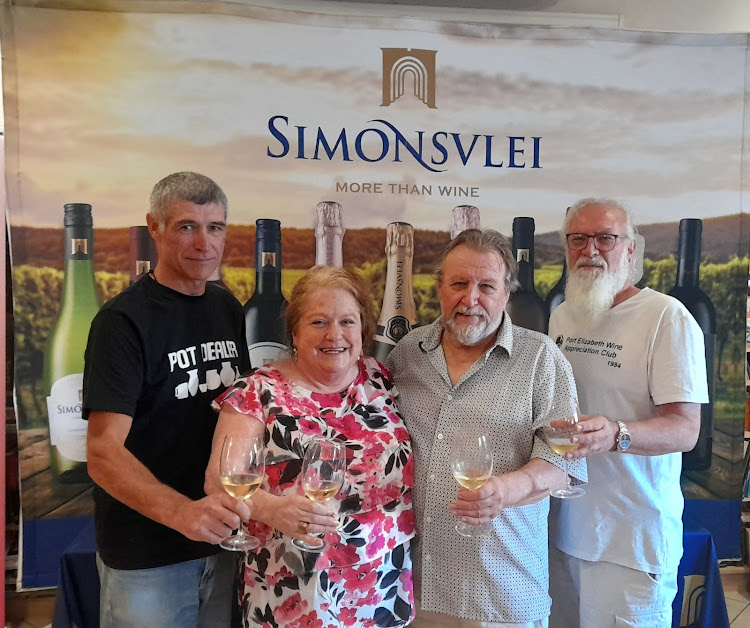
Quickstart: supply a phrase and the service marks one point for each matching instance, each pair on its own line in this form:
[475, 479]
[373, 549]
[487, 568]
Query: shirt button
[428, 519]
[440, 437]
[427, 558]
[432, 477]
[449, 397]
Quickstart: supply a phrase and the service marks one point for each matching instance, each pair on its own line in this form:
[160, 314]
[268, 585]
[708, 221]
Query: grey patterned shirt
[502, 576]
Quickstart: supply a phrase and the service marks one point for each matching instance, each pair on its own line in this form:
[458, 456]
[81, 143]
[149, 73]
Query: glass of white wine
[559, 428]
[241, 472]
[471, 463]
[323, 471]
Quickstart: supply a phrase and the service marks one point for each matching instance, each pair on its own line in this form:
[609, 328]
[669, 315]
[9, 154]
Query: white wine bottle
[266, 336]
[63, 359]
[526, 307]
[329, 235]
[687, 290]
[398, 315]
[143, 255]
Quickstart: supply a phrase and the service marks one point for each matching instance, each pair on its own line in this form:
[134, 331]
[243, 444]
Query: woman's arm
[284, 513]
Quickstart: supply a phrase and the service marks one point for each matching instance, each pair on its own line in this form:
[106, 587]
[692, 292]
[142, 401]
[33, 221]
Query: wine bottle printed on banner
[266, 336]
[557, 294]
[687, 290]
[526, 307]
[143, 255]
[398, 316]
[464, 217]
[329, 235]
[63, 358]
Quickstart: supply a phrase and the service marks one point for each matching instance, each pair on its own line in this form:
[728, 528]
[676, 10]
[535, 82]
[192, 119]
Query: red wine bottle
[266, 336]
[143, 255]
[687, 290]
[526, 307]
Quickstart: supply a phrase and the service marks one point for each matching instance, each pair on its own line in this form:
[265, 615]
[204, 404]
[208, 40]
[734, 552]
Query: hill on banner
[723, 238]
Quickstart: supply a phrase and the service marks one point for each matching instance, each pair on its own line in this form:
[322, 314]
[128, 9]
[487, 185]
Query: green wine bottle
[63, 358]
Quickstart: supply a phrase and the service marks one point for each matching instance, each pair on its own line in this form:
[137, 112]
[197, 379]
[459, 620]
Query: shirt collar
[503, 339]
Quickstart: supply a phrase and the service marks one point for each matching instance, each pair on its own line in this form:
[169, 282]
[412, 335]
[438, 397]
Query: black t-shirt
[161, 357]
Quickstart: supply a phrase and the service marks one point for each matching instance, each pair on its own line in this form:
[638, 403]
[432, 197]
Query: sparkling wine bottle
[143, 255]
[266, 336]
[63, 359]
[687, 290]
[464, 217]
[398, 315]
[329, 235]
[525, 306]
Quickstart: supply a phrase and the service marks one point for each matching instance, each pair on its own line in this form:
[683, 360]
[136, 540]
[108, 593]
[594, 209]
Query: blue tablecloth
[77, 601]
[699, 602]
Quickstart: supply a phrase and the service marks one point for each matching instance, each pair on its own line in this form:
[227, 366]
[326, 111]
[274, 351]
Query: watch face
[624, 442]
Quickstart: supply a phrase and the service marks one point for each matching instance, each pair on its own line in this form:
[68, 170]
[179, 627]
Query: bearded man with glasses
[638, 361]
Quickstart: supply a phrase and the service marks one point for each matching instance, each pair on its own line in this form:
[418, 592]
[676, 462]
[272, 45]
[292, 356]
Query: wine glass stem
[567, 477]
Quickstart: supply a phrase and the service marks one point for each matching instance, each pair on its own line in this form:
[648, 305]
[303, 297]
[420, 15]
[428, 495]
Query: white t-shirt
[647, 351]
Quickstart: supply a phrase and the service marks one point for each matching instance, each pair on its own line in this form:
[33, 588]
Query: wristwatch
[623, 437]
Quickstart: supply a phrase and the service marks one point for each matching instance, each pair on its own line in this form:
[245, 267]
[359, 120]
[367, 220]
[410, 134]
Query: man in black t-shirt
[157, 355]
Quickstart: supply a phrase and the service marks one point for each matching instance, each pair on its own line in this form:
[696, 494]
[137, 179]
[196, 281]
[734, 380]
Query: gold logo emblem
[404, 67]
[268, 259]
[79, 245]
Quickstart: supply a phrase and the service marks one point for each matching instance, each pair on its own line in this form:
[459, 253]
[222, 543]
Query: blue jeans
[193, 593]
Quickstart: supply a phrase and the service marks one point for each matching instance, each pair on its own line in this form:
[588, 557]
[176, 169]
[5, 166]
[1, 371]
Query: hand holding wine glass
[558, 430]
[322, 477]
[241, 471]
[471, 463]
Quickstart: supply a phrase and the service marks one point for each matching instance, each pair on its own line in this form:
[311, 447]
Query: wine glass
[241, 472]
[558, 430]
[322, 477]
[471, 463]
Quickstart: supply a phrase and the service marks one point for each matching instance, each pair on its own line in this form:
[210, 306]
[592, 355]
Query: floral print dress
[364, 576]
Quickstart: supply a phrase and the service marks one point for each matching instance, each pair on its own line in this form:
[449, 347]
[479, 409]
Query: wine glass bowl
[241, 471]
[471, 464]
[559, 429]
[322, 475]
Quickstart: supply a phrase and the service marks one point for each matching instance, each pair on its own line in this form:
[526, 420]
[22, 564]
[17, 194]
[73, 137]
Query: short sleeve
[242, 396]
[678, 380]
[114, 365]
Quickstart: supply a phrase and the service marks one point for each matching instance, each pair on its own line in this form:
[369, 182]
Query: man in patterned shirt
[472, 369]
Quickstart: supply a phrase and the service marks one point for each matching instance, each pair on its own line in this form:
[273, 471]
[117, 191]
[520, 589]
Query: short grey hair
[184, 186]
[486, 241]
[630, 228]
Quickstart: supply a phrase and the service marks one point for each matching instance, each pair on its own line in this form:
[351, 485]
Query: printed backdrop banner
[395, 119]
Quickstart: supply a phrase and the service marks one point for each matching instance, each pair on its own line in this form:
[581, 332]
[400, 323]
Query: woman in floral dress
[328, 388]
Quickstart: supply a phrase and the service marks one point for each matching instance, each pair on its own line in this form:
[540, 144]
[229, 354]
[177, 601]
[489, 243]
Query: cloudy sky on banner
[110, 102]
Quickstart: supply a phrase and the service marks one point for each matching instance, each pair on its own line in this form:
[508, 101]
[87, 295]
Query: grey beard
[471, 335]
[592, 294]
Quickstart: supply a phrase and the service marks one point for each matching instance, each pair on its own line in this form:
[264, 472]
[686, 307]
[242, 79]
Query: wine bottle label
[394, 330]
[262, 353]
[67, 430]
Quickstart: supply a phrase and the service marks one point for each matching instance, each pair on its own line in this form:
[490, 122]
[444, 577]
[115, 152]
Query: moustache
[470, 311]
[591, 261]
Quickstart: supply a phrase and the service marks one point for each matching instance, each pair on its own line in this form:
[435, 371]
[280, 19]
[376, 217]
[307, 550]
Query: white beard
[591, 293]
[472, 334]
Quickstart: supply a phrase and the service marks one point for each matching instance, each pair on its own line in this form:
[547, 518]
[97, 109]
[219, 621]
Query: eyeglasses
[602, 241]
